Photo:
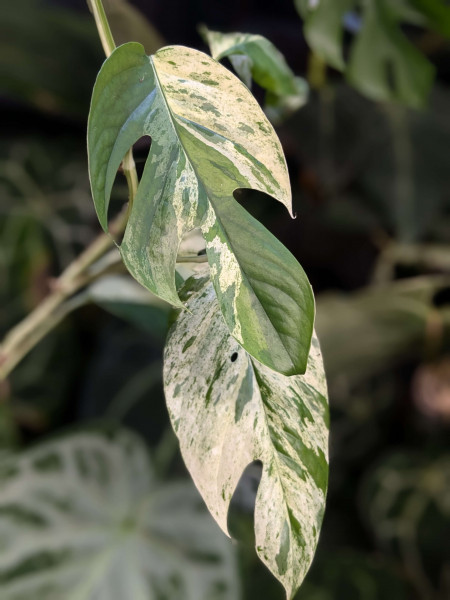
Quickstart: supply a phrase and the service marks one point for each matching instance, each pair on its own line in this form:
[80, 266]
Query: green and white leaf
[255, 57]
[229, 410]
[209, 137]
[82, 518]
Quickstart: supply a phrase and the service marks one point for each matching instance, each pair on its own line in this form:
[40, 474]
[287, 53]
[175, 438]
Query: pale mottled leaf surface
[229, 410]
[254, 56]
[209, 137]
[82, 518]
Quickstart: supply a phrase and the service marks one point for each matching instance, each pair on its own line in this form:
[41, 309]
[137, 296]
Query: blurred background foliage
[371, 186]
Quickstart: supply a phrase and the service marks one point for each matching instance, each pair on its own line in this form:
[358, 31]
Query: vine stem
[24, 336]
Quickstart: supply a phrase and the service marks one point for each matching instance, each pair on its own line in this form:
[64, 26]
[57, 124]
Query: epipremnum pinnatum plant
[243, 375]
[240, 380]
[84, 516]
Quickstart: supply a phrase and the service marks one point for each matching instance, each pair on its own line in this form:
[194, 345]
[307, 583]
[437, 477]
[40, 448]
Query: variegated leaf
[229, 410]
[209, 137]
[255, 57]
[82, 518]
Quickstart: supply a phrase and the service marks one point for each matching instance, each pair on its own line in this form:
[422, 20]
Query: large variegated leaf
[255, 57]
[82, 518]
[209, 137]
[229, 410]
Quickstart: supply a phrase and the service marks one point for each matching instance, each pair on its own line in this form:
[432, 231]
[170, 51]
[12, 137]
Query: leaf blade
[209, 137]
[235, 411]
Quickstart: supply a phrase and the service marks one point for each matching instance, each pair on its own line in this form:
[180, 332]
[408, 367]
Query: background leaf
[383, 63]
[405, 500]
[324, 30]
[397, 71]
[235, 411]
[83, 518]
[209, 137]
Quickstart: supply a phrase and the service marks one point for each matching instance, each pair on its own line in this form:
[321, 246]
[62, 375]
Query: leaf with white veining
[209, 138]
[228, 410]
[83, 518]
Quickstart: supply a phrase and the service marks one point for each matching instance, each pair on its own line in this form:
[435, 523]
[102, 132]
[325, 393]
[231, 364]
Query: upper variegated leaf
[229, 410]
[255, 57]
[83, 518]
[209, 137]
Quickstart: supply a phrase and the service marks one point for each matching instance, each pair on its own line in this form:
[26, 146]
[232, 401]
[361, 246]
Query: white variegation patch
[83, 518]
[229, 410]
[209, 138]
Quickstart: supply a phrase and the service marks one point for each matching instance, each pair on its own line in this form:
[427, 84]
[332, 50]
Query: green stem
[24, 336]
[103, 28]
[107, 39]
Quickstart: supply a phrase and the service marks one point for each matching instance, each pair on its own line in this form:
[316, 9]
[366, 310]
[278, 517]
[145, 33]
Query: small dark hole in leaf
[234, 356]
[119, 192]
[442, 297]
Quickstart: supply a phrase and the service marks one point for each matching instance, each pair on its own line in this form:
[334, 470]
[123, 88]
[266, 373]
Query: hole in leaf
[242, 505]
[261, 206]
[233, 357]
[119, 192]
[442, 297]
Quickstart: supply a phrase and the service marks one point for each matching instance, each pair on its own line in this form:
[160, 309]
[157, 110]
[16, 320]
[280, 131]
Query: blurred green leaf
[382, 327]
[406, 502]
[383, 63]
[324, 30]
[396, 70]
[82, 517]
